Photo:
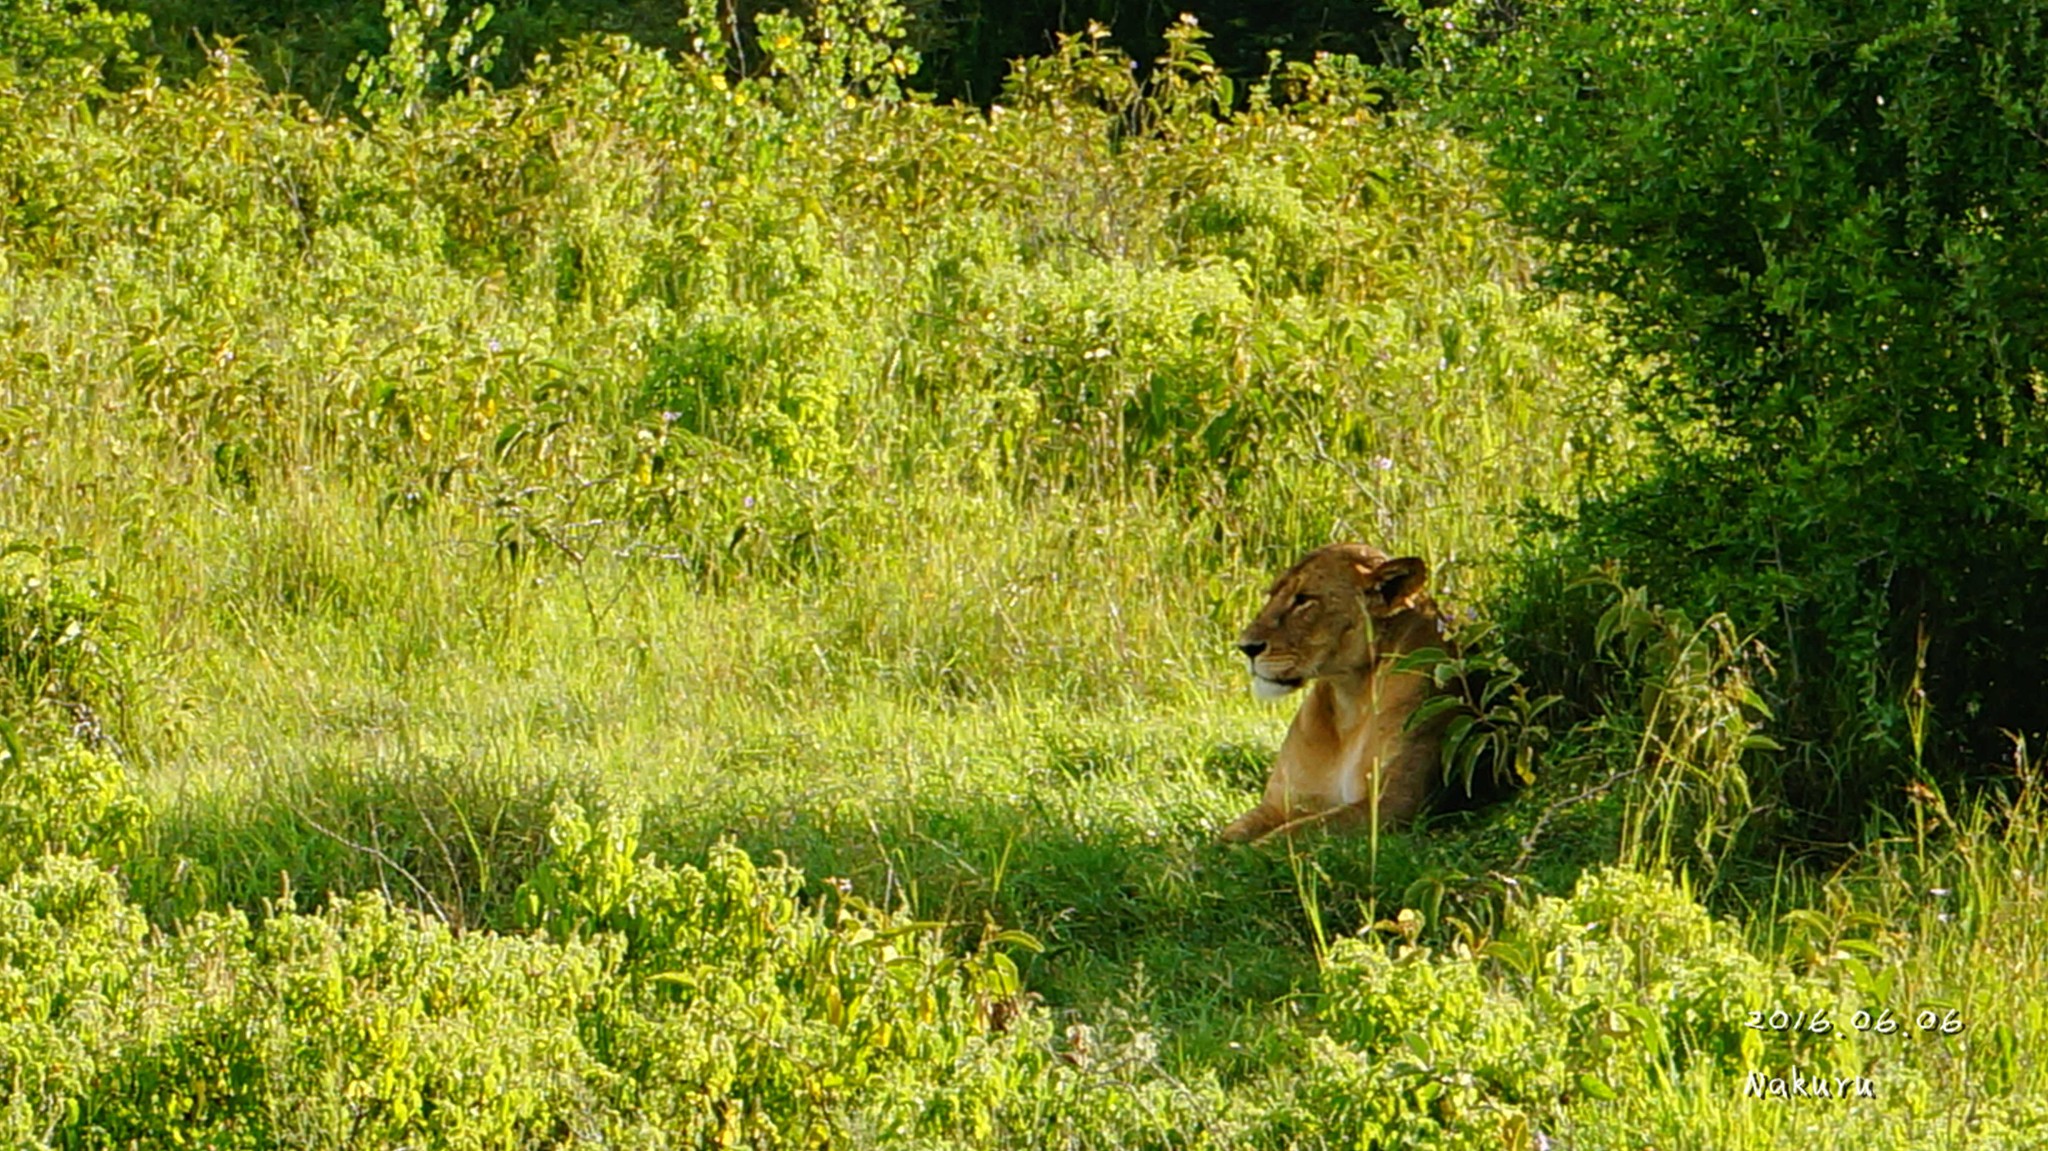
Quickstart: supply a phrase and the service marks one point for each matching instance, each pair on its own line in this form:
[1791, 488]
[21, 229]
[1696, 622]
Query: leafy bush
[65, 799]
[63, 42]
[1426, 1038]
[708, 1005]
[1817, 226]
[1605, 994]
[62, 640]
[1639, 961]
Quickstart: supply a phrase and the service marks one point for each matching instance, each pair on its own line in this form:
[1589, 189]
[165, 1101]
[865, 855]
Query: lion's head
[1331, 615]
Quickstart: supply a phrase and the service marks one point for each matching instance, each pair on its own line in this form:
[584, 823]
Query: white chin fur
[1268, 689]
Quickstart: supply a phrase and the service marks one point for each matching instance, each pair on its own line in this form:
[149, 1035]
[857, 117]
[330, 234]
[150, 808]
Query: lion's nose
[1251, 650]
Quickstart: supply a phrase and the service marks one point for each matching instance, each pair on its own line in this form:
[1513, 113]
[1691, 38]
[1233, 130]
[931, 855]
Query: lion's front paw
[1249, 826]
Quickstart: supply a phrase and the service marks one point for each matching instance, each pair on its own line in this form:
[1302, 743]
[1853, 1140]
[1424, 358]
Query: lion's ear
[1396, 582]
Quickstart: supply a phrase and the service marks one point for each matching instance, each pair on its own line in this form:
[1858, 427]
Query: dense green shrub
[65, 799]
[720, 1005]
[62, 42]
[1622, 986]
[1817, 225]
[708, 1006]
[62, 634]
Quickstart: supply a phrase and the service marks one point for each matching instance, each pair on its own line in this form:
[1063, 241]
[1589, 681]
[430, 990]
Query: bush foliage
[657, 1004]
[1817, 226]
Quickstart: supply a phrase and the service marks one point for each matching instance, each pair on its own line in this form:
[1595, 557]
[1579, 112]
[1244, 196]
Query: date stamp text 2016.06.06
[1801, 1083]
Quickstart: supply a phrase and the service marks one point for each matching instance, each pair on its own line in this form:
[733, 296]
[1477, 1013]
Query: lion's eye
[1302, 597]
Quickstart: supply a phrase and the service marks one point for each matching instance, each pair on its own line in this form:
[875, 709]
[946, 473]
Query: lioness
[1340, 618]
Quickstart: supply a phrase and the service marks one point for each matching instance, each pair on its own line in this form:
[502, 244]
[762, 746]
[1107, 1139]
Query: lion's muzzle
[1273, 686]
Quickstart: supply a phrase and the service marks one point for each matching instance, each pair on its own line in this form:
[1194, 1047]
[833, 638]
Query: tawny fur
[1336, 622]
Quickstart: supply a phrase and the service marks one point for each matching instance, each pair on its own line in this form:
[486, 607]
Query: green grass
[879, 485]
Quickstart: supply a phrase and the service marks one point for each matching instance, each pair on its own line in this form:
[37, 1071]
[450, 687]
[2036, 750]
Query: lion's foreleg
[1395, 793]
[1302, 823]
[1253, 825]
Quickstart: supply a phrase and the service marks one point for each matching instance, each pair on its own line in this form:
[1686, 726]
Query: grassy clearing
[486, 508]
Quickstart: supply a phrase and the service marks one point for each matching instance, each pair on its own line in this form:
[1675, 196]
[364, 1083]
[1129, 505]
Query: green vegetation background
[682, 599]
[964, 47]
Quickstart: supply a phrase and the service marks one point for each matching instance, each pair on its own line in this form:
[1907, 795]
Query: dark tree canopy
[966, 45]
